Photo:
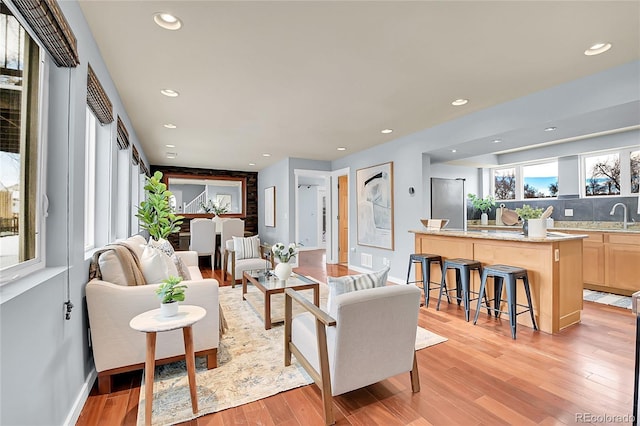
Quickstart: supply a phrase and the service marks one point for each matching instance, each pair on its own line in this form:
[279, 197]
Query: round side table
[152, 322]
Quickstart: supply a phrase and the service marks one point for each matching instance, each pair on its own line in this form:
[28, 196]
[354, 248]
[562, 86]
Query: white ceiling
[302, 78]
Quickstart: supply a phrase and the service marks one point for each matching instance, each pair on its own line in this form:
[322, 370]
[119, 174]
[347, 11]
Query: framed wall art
[270, 206]
[374, 186]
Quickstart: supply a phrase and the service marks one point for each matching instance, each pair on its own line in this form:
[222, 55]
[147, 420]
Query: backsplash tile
[584, 209]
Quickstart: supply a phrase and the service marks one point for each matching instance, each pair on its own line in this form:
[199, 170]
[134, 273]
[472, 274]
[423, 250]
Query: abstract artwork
[270, 206]
[374, 186]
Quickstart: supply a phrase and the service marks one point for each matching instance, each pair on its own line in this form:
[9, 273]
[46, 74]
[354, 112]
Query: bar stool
[463, 268]
[510, 274]
[425, 260]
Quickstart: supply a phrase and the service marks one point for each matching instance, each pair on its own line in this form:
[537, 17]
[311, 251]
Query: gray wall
[46, 361]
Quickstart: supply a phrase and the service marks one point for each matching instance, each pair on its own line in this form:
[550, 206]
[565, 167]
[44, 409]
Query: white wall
[46, 361]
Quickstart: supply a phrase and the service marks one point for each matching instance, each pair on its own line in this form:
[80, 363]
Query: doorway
[343, 219]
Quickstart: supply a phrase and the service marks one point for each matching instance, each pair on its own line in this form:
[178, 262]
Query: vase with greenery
[284, 254]
[215, 208]
[170, 293]
[484, 205]
[155, 213]
[526, 212]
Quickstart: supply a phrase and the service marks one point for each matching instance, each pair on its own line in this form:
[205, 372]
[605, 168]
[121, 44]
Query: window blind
[97, 98]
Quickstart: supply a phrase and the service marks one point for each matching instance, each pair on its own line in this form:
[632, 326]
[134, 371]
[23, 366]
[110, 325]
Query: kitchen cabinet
[611, 261]
[622, 262]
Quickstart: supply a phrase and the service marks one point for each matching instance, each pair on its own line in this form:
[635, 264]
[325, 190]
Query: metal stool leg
[511, 301]
[527, 291]
[483, 283]
[426, 280]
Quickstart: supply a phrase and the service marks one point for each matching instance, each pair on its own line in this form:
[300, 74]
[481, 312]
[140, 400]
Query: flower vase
[283, 271]
[525, 227]
[218, 222]
[169, 309]
[484, 219]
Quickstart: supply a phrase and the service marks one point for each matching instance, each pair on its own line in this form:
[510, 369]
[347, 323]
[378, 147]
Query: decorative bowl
[443, 223]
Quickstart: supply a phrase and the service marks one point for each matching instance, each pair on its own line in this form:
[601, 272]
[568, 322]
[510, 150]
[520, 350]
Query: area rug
[607, 298]
[250, 367]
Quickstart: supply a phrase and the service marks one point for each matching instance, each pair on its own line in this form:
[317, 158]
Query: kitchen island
[554, 265]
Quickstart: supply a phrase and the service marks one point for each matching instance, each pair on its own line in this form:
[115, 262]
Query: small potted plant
[170, 293]
[532, 224]
[483, 204]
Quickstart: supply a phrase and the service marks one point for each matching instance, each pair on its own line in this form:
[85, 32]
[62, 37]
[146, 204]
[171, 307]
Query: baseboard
[367, 271]
[83, 395]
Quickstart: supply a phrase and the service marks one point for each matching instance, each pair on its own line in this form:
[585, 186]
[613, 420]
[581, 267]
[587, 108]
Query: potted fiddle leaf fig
[155, 213]
[170, 293]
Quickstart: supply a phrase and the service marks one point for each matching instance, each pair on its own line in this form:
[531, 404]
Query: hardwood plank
[479, 376]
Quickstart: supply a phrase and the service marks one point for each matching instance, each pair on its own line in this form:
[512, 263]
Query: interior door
[343, 219]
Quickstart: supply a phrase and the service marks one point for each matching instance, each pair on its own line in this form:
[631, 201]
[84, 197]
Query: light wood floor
[479, 376]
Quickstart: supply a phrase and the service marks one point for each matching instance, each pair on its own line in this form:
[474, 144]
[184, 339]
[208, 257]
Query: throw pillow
[183, 270]
[156, 266]
[246, 248]
[111, 268]
[348, 283]
[162, 245]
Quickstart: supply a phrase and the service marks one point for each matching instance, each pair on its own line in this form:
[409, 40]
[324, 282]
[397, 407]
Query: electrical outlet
[557, 255]
[385, 261]
[568, 212]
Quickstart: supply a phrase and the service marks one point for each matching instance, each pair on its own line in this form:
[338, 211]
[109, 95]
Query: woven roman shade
[48, 22]
[144, 169]
[97, 98]
[135, 157]
[123, 135]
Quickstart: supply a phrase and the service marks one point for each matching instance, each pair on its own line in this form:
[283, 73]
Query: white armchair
[369, 337]
[235, 267]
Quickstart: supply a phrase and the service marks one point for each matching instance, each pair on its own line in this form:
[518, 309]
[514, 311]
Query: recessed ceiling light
[266, 155]
[252, 164]
[342, 148]
[386, 131]
[496, 141]
[459, 102]
[170, 145]
[172, 154]
[167, 21]
[170, 93]
[550, 129]
[170, 126]
[453, 150]
[597, 49]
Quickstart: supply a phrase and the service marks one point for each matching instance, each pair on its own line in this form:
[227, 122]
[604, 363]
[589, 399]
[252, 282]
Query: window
[634, 165]
[90, 181]
[540, 180]
[504, 184]
[20, 148]
[602, 174]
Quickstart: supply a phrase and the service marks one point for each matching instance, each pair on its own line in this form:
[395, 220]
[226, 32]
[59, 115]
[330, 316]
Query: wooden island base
[554, 266]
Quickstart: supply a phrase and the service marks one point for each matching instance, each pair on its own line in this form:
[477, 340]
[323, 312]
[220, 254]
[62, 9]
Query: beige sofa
[117, 348]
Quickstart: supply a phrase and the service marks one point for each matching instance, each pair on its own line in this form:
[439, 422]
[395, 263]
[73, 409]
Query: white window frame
[38, 262]
[624, 156]
[521, 170]
[90, 180]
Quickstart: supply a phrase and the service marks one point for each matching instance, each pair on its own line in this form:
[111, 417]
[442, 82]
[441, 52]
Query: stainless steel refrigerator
[448, 201]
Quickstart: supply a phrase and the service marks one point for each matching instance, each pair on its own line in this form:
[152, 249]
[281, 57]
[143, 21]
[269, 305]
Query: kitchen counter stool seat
[510, 274]
[463, 268]
[424, 259]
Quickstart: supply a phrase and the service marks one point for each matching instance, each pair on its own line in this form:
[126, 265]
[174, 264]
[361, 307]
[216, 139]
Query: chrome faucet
[624, 210]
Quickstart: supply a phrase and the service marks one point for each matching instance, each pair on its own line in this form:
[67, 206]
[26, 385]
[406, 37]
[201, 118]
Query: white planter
[169, 309]
[537, 228]
[484, 219]
[282, 271]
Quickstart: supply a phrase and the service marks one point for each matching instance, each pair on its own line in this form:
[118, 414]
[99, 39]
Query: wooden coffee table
[269, 284]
